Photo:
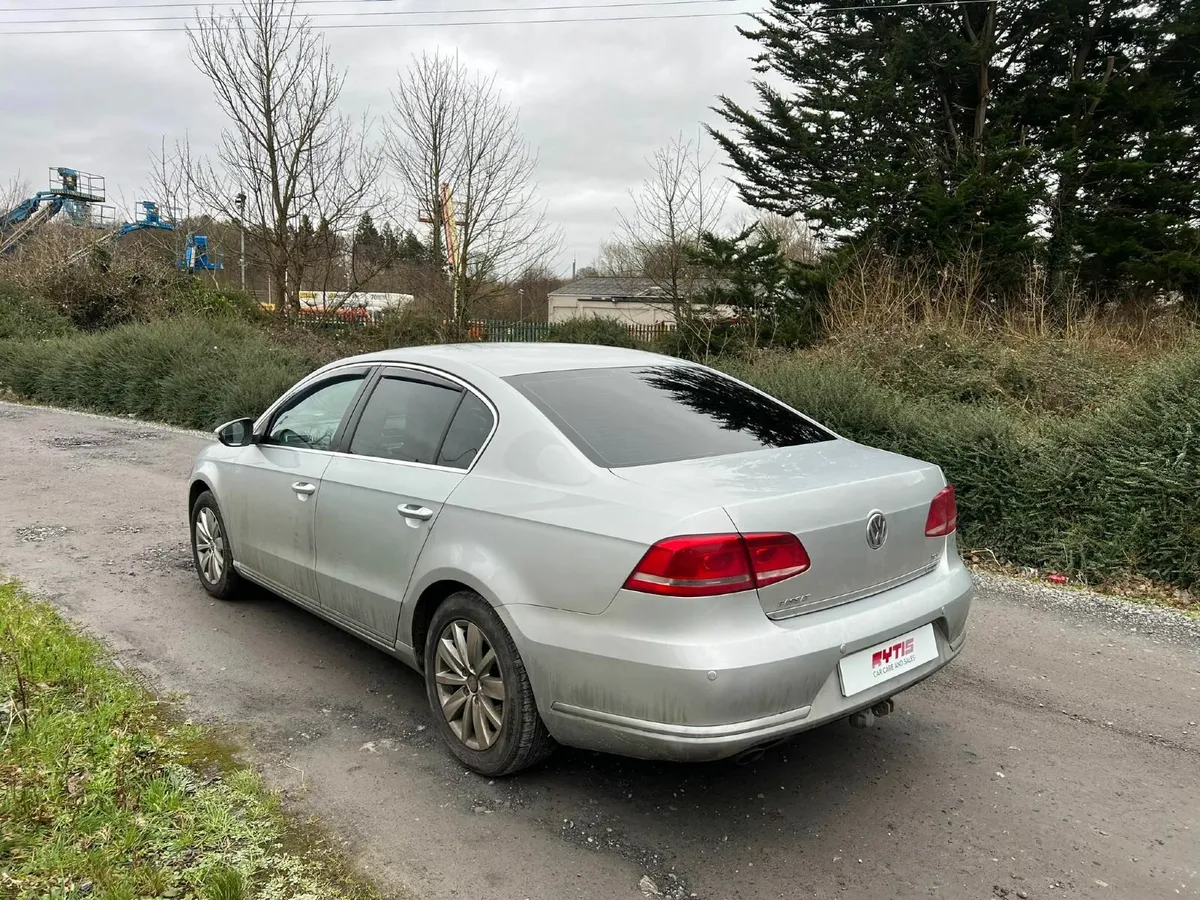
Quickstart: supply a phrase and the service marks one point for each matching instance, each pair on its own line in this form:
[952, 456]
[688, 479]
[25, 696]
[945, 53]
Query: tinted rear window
[641, 416]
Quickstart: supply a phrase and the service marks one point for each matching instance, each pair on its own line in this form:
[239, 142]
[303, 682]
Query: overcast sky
[595, 98]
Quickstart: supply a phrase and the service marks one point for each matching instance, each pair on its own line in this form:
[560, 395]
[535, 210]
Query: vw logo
[876, 530]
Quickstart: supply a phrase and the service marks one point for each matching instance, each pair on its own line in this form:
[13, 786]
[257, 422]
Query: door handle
[304, 488]
[412, 511]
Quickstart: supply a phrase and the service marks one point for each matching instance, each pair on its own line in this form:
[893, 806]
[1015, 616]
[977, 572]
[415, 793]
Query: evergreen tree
[1055, 127]
[367, 239]
[776, 299]
[410, 248]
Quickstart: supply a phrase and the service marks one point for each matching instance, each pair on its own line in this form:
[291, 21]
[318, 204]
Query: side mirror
[238, 433]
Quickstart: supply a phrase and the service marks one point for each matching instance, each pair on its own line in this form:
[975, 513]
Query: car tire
[491, 687]
[211, 553]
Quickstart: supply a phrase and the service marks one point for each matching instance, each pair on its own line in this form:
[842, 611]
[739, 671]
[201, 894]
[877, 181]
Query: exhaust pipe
[883, 708]
[757, 752]
[865, 718]
[753, 755]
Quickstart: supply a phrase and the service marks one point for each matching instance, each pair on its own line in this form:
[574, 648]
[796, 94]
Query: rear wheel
[211, 552]
[479, 691]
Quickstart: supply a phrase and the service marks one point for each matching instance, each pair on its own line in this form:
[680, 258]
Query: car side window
[471, 426]
[312, 420]
[405, 420]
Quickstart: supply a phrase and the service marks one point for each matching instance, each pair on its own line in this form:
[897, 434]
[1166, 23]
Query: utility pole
[240, 201]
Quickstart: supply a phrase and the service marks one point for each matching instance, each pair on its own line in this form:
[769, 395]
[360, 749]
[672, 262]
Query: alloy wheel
[210, 545]
[470, 685]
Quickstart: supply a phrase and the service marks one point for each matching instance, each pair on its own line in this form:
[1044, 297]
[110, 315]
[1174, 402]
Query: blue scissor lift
[70, 190]
[197, 257]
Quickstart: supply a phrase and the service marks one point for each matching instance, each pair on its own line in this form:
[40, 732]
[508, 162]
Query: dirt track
[1058, 757]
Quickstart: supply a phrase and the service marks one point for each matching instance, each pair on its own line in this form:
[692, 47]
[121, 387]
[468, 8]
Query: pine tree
[366, 236]
[1061, 129]
[885, 132]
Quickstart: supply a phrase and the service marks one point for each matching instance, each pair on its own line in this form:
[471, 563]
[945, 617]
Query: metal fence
[501, 331]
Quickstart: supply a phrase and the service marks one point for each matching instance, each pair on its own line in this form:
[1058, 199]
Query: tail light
[774, 557]
[943, 514]
[705, 565]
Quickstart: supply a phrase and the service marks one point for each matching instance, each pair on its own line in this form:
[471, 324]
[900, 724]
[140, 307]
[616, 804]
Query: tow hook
[865, 718]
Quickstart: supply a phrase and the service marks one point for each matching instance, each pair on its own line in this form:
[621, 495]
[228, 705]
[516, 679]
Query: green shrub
[702, 342]
[592, 331]
[1101, 494]
[194, 296]
[1125, 482]
[23, 316]
[401, 328]
[190, 372]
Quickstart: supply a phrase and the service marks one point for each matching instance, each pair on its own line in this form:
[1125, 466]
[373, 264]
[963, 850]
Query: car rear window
[645, 415]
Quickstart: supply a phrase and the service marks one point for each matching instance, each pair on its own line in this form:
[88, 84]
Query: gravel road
[1059, 756]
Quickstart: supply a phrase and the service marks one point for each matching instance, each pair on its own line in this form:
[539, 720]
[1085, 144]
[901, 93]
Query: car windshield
[645, 415]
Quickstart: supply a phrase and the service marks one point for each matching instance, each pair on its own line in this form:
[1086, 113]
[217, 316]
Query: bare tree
[453, 131]
[15, 192]
[170, 183]
[286, 146]
[619, 259]
[678, 202]
[796, 239]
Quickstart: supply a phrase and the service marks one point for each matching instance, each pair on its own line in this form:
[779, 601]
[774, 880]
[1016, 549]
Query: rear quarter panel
[536, 544]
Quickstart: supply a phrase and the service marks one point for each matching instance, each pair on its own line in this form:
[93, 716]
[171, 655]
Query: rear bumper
[660, 678]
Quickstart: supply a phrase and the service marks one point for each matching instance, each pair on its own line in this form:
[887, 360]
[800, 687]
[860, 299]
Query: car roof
[504, 359]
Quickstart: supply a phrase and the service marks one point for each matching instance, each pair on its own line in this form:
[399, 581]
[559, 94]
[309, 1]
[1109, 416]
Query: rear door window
[471, 427]
[641, 416]
[405, 419]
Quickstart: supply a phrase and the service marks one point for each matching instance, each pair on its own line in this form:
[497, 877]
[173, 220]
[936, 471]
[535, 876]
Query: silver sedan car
[590, 546]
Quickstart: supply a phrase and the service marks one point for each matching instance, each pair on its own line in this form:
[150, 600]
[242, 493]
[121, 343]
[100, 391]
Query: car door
[409, 446]
[276, 492]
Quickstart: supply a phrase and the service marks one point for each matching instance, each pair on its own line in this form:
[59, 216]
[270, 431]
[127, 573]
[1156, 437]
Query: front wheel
[479, 691]
[211, 552]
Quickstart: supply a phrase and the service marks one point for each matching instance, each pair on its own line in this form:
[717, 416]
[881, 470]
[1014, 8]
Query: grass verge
[103, 795]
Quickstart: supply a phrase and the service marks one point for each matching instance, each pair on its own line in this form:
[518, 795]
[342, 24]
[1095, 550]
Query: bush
[702, 342]
[1049, 375]
[194, 296]
[1125, 483]
[112, 291]
[592, 331]
[190, 372]
[26, 317]
[1108, 492]
[401, 328]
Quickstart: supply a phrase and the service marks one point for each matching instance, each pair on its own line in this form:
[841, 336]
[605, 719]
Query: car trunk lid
[826, 494]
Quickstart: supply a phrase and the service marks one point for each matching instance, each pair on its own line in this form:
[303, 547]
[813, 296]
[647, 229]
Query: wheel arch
[422, 613]
[198, 486]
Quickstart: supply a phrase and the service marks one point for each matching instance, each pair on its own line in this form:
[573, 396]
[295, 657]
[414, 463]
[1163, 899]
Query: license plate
[863, 670]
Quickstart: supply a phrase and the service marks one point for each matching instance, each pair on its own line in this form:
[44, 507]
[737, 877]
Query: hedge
[1102, 493]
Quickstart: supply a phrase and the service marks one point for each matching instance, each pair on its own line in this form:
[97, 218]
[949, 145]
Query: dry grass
[935, 333]
[879, 294]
